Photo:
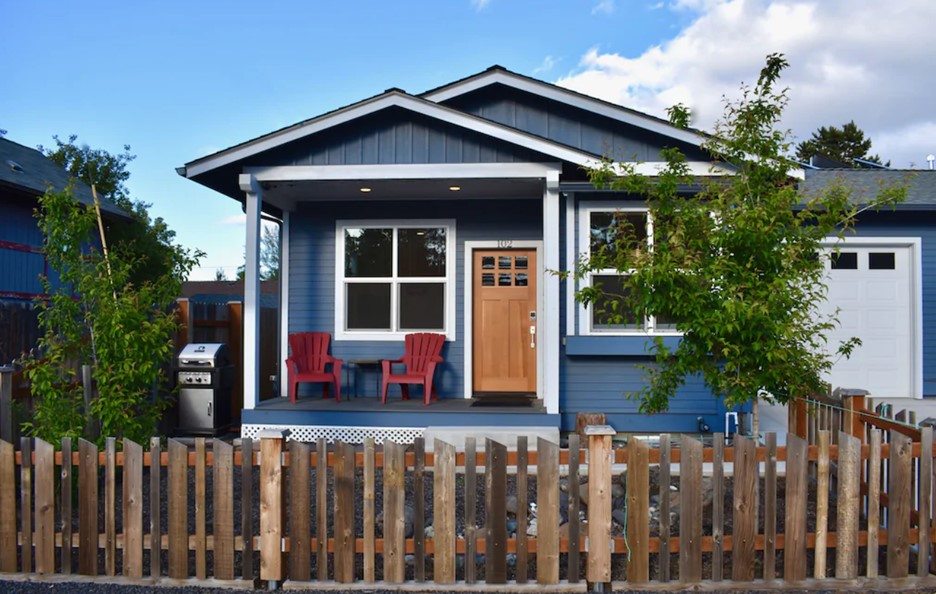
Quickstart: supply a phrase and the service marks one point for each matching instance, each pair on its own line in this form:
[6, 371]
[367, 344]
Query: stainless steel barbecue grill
[205, 376]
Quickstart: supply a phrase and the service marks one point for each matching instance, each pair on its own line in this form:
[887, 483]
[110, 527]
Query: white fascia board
[393, 99]
[407, 171]
[561, 95]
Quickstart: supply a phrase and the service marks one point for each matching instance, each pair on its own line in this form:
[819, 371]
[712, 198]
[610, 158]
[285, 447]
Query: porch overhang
[284, 187]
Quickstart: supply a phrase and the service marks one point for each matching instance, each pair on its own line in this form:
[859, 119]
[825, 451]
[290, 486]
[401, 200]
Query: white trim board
[468, 306]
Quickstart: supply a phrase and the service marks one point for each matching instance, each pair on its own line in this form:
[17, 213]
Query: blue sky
[178, 80]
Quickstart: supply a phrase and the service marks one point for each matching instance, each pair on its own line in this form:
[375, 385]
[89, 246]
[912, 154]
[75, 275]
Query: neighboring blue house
[25, 174]
[447, 212]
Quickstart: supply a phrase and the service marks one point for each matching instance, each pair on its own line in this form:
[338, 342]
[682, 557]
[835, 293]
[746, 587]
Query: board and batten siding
[396, 136]
[568, 125]
[312, 269]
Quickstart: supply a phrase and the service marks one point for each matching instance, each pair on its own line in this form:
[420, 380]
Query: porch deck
[368, 412]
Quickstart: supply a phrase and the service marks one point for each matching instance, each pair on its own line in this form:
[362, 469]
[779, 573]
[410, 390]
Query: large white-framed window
[394, 277]
[599, 224]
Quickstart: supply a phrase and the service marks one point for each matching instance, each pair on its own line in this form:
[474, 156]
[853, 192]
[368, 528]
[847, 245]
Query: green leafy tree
[143, 238]
[843, 144]
[735, 267]
[99, 315]
[269, 255]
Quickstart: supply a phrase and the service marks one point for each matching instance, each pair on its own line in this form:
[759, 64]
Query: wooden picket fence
[215, 511]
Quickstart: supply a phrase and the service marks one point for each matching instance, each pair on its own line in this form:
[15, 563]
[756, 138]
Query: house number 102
[504, 244]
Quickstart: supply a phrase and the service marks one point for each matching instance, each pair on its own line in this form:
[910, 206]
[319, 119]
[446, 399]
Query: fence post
[6, 404]
[797, 418]
[853, 402]
[598, 573]
[272, 505]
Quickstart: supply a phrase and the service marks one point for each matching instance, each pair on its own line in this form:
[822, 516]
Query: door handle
[209, 408]
[533, 336]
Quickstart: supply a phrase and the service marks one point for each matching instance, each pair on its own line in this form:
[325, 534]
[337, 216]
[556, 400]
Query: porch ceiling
[286, 195]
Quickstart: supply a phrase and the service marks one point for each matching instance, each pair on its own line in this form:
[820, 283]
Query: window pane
[606, 314]
[520, 262]
[368, 253]
[368, 306]
[487, 262]
[503, 280]
[607, 228]
[487, 280]
[422, 306]
[421, 252]
[845, 261]
[881, 261]
[521, 279]
[503, 262]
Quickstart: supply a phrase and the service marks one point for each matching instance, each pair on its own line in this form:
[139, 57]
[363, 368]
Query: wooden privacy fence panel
[305, 501]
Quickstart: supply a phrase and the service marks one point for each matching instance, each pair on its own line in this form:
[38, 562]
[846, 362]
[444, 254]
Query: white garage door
[873, 288]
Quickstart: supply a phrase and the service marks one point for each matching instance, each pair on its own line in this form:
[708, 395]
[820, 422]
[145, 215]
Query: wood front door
[504, 312]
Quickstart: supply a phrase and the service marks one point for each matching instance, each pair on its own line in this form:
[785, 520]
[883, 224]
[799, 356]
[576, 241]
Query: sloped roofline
[390, 98]
[500, 75]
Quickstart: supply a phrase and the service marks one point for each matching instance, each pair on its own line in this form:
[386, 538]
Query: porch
[354, 419]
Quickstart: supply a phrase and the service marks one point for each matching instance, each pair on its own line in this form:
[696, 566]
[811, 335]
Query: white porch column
[251, 358]
[550, 325]
[284, 304]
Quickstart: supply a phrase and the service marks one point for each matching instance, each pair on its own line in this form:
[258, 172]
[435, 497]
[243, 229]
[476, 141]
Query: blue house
[450, 211]
[25, 174]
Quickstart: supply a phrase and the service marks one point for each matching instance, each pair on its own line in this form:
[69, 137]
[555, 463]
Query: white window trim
[585, 208]
[341, 333]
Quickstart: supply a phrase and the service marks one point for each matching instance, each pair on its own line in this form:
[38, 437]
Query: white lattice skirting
[400, 435]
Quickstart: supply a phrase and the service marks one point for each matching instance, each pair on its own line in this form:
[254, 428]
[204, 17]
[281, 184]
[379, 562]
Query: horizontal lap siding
[312, 268]
[601, 384]
[568, 125]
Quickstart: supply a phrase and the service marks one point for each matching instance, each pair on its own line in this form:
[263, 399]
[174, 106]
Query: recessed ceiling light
[365, 190]
[454, 188]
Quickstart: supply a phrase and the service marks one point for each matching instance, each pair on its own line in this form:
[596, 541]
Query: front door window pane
[368, 253]
[421, 252]
[422, 306]
[368, 306]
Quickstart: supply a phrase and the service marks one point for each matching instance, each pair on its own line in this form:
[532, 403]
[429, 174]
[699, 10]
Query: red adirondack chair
[307, 363]
[420, 358]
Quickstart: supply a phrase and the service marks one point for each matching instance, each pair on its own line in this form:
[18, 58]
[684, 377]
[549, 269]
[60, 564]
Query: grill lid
[203, 354]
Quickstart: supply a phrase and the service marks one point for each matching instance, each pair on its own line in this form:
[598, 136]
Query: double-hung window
[393, 278]
[600, 226]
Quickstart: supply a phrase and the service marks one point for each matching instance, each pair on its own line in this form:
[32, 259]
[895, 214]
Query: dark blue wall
[312, 267]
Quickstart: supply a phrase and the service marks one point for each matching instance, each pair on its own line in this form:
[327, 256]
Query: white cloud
[849, 61]
[480, 5]
[238, 219]
[603, 7]
[547, 64]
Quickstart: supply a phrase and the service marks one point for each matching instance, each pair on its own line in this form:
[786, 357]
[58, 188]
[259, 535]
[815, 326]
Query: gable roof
[502, 76]
[388, 99]
[866, 183]
[29, 171]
